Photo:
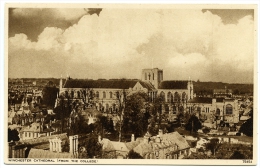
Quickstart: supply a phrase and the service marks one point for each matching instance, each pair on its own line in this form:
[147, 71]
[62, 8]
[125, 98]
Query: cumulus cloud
[120, 42]
[60, 13]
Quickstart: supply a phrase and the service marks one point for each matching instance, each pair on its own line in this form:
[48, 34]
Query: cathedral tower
[154, 76]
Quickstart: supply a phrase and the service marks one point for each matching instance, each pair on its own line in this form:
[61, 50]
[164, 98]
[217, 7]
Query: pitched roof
[113, 83]
[40, 153]
[176, 138]
[200, 100]
[41, 140]
[173, 85]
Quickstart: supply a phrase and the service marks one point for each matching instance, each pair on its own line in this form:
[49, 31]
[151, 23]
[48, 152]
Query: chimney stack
[160, 133]
[74, 145]
[99, 138]
[133, 138]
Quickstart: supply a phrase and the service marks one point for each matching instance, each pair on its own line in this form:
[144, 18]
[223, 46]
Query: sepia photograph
[118, 83]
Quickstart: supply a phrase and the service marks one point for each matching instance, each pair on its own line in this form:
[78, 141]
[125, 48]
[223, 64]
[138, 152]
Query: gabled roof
[41, 140]
[173, 85]
[111, 84]
[205, 100]
[39, 153]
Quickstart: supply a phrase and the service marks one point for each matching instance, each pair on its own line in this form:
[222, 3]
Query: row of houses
[163, 146]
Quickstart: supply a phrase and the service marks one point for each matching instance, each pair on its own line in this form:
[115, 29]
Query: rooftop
[173, 84]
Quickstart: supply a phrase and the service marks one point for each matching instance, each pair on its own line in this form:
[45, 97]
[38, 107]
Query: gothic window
[162, 95]
[66, 94]
[176, 97]
[72, 94]
[183, 96]
[78, 94]
[169, 97]
[218, 111]
[149, 75]
[229, 109]
[104, 94]
[167, 108]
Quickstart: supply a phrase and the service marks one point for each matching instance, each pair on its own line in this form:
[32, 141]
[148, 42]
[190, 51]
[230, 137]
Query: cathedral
[107, 94]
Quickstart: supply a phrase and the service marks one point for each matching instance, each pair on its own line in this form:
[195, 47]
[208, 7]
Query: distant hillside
[208, 87]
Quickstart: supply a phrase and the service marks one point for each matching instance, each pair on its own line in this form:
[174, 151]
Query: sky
[203, 44]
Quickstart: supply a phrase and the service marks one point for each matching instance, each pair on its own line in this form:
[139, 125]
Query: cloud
[120, 42]
[59, 14]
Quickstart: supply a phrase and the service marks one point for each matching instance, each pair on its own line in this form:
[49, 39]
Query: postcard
[167, 84]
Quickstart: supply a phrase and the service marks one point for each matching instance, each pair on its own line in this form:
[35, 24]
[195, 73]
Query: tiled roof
[40, 153]
[220, 99]
[41, 140]
[173, 85]
[111, 84]
[200, 100]
[175, 137]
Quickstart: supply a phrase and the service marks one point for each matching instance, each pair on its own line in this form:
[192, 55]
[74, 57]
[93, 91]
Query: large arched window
[166, 108]
[72, 94]
[110, 95]
[66, 94]
[169, 97]
[162, 95]
[218, 111]
[229, 109]
[176, 97]
[78, 94]
[104, 95]
[97, 94]
[183, 96]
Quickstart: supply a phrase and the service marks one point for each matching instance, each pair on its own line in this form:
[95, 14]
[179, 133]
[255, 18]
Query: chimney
[133, 138]
[160, 132]
[55, 145]
[146, 139]
[99, 138]
[74, 145]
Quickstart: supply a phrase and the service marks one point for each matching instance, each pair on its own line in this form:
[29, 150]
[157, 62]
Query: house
[34, 130]
[163, 146]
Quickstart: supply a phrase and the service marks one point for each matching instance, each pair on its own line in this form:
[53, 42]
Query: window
[229, 109]
[169, 97]
[162, 95]
[218, 111]
[97, 94]
[104, 94]
[153, 76]
[145, 76]
[110, 95]
[183, 96]
[176, 97]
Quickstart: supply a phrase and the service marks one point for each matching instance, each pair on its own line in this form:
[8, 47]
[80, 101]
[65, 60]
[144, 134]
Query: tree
[133, 155]
[92, 146]
[237, 155]
[156, 116]
[213, 145]
[49, 94]
[247, 127]
[13, 135]
[193, 124]
[121, 97]
[135, 116]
